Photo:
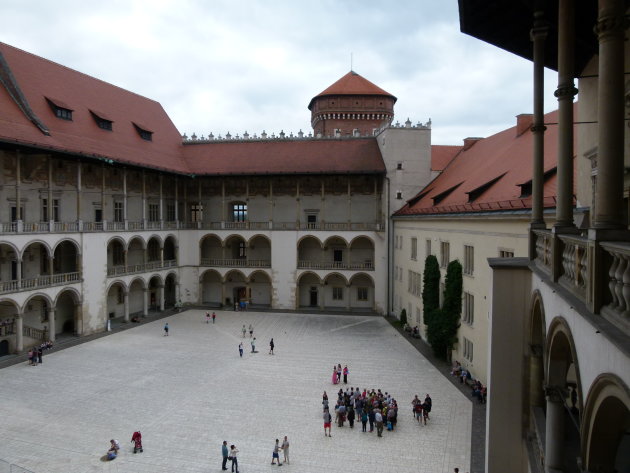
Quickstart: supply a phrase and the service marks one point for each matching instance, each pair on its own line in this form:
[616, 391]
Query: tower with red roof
[352, 106]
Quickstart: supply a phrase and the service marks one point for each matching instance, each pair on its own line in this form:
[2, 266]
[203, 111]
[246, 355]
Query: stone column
[565, 93]
[125, 259]
[161, 256]
[348, 296]
[222, 292]
[554, 428]
[161, 287]
[538, 36]
[321, 296]
[19, 333]
[18, 183]
[536, 375]
[18, 271]
[51, 265]
[126, 304]
[609, 202]
[145, 302]
[51, 324]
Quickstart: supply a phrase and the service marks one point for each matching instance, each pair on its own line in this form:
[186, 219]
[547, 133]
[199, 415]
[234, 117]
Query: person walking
[166, 329]
[253, 342]
[207, 317]
[251, 331]
[225, 454]
[276, 453]
[285, 450]
[271, 345]
[364, 419]
[240, 349]
[428, 404]
[233, 452]
[244, 330]
[136, 438]
[327, 422]
[214, 316]
[345, 374]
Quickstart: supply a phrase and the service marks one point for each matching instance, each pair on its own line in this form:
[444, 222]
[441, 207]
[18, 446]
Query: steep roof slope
[315, 156]
[352, 84]
[42, 81]
[493, 174]
[441, 155]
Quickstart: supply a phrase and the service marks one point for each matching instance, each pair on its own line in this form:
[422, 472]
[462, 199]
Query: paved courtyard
[190, 391]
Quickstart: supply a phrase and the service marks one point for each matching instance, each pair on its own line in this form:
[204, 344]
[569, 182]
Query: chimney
[524, 122]
[471, 140]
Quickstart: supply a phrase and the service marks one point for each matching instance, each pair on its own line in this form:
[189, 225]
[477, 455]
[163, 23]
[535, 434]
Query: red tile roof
[41, 80]
[487, 176]
[352, 84]
[441, 155]
[313, 156]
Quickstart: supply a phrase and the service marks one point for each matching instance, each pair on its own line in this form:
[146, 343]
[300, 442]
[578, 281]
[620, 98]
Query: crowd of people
[378, 409]
[421, 409]
[465, 377]
[338, 372]
[36, 354]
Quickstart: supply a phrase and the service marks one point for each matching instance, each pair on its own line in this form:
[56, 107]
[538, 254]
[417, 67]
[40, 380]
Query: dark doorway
[4, 347]
[313, 296]
[337, 256]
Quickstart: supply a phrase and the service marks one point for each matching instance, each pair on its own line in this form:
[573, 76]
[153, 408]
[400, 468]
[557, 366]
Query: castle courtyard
[190, 391]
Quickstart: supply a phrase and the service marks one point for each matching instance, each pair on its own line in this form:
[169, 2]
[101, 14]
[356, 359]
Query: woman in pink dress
[335, 379]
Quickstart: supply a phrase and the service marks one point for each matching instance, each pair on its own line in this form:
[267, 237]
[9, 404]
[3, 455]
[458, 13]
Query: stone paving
[190, 391]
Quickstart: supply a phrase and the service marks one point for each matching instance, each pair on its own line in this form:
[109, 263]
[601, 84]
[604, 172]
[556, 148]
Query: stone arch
[235, 247]
[158, 238]
[74, 243]
[259, 250]
[116, 299]
[362, 240]
[36, 258]
[210, 249]
[116, 248]
[118, 239]
[9, 312]
[361, 288]
[335, 240]
[260, 289]
[66, 257]
[361, 253]
[561, 357]
[536, 341]
[22, 254]
[68, 313]
[155, 286]
[136, 251]
[35, 315]
[309, 290]
[211, 284]
[137, 288]
[309, 251]
[606, 426]
[170, 248]
[154, 248]
[310, 237]
[336, 291]
[170, 289]
[141, 242]
[235, 283]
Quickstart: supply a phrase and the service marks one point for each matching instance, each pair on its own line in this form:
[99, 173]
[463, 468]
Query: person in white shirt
[233, 452]
[378, 418]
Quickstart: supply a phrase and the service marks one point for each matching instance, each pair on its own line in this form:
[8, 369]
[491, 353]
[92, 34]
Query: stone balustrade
[618, 282]
[140, 268]
[327, 265]
[236, 262]
[39, 282]
[574, 264]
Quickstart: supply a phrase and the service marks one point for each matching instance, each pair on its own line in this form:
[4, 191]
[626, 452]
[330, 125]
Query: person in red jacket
[136, 438]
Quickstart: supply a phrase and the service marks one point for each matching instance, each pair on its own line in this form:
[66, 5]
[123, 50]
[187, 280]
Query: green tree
[444, 322]
[403, 317]
[431, 287]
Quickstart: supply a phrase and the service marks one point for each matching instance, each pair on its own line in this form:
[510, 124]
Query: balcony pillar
[78, 318]
[19, 333]
[554, 431]
[125, 259]
[126, 305]
[222, 293]
[145, 302]
[51, 324]
[565, 93]
[78, 185]
[608, 213]
[348, 296]
[538, 36]
[18, 272]
[161, 256]
[51, 265]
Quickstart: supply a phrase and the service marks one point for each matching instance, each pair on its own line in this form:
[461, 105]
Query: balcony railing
[7, 328]
[141, 225]
[38, 282]
[543, 242]
[574, 264]
[236, 262]
[36, 333]
[140, 268]
[618, 287]
[365, 266]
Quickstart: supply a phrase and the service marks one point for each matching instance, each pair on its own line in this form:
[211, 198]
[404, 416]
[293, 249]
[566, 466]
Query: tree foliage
[403, 316]
[443, 323]
[431, 287]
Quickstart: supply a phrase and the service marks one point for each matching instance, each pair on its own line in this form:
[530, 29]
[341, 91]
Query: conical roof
[352, 84]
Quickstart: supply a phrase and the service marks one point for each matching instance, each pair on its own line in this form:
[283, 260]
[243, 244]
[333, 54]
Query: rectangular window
[242, 249]
[337, 293]
[55, 210]
[506, 253]
[469, 308]
[196, 212]
[445, 256]
[98, 215]
[362, 294]
[468, 349]
[154, 212]
[469, 260]
[119, 214]
[239, 212]
[170, 212]
[414, 249]
[117, 255]
[427, 248]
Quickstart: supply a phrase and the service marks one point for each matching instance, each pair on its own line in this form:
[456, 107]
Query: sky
[233, 66]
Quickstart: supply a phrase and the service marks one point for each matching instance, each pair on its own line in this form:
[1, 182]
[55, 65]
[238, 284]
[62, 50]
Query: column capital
[610, 24]
[540, 28]
[566, 91]
[555, 394]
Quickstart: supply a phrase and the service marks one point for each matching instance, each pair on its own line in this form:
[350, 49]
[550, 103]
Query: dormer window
[102, 121]
[60, 109]
[144, 132]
